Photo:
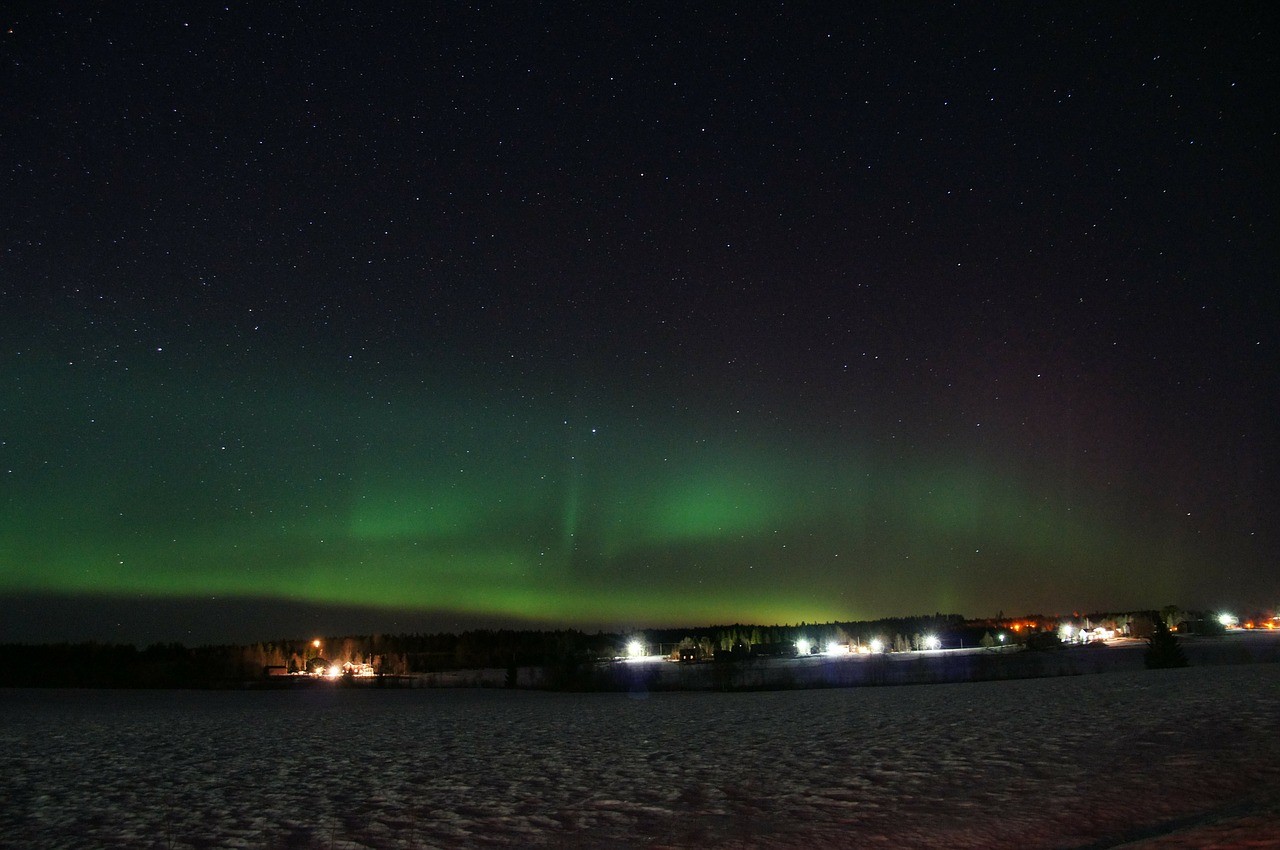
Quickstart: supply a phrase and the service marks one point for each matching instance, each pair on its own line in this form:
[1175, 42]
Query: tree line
[176, 665]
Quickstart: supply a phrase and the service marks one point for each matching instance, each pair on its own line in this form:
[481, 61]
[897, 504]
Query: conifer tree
[1162, 648]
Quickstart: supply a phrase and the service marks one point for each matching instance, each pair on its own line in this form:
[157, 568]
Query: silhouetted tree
[317, 664]
[1163, 650]
[1171, 615]
[1044, 641]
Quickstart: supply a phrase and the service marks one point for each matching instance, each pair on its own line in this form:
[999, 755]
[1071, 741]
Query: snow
[1167, 758]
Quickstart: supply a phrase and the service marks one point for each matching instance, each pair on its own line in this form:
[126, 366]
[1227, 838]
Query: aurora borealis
[626, 318]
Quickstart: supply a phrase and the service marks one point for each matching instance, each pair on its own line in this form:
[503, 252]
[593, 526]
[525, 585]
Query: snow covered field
[1172, 758]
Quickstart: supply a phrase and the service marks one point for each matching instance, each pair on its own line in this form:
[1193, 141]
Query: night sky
[395, 317]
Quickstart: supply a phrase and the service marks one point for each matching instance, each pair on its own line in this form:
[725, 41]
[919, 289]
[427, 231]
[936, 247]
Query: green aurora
[277, 486]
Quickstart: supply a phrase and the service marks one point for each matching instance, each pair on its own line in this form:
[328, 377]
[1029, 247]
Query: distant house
[1142, 627]
[273, 670]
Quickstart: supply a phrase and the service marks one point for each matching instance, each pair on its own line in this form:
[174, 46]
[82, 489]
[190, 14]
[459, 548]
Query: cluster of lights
[804, 646]
[334, 671]
[1231, 622]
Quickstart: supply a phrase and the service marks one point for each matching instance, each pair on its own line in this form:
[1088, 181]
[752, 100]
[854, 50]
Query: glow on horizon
[632, 526]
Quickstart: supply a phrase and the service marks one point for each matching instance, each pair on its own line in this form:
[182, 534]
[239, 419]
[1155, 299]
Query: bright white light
[803, 646]
[1228, 620]
[932, 642]
[334, 672]
[834, 648]
[1066, 632]
[877, 645]
[1002, 637]
[635, 649]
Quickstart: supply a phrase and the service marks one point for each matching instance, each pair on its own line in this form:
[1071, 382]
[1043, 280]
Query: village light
[877, 645]
[932, 642]
[834, 648]
[1228, 621]
[635, 649]
[803, 646]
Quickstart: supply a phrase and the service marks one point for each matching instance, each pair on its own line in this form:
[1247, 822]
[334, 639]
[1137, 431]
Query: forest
[173, 665]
